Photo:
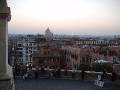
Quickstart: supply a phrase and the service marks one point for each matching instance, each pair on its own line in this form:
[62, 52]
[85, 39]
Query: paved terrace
[59, 84]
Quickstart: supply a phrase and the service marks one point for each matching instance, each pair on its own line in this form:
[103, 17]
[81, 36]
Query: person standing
[104, 75]
[114, 76]
[82, 74]
[36, 73]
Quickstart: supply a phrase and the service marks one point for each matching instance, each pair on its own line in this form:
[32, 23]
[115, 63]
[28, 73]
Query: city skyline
[80, 17]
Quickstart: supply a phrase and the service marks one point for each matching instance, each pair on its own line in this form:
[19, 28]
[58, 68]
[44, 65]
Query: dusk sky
[81, 17]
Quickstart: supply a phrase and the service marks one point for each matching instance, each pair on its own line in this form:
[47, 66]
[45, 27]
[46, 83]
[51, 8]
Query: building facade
[49, 56]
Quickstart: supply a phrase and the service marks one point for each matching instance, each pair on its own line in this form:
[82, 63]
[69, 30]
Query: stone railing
[10, 74]
[7, 82]
[62, 74]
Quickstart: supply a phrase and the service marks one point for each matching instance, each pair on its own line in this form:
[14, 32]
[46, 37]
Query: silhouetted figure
[59, 73]
[25, 76]
[36, 73]
[42, 71]
[104, 75]
[54, 73]
[24, 70]
[114, 76]
[82, 74]
[17, 70]
[66, 72]
[73, 74]
[50, 74]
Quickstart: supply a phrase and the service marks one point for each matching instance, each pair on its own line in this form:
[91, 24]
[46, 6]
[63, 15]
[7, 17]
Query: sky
[80, 17]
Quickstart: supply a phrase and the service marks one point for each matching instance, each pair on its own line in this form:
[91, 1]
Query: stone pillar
[5, 79]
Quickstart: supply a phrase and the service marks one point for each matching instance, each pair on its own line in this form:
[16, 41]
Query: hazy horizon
[79, 17]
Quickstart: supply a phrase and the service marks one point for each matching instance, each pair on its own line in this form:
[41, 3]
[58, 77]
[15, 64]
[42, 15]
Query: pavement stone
[58, 84]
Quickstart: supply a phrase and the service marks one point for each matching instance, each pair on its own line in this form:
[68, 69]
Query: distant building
[22, 48]
[98, 42]
[49, 56]
[48, 34]
[76, 56]
[65, 52]
[28, 47]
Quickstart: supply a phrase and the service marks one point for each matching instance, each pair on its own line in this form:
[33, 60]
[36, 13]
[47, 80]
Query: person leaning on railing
[114, 76]
[104, 75]
[82, 74]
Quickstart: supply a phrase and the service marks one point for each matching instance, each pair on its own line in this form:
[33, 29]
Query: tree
[100, 67]
[84, 67]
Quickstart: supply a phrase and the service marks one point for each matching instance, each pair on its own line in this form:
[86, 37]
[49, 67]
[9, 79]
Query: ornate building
[48, 34]
[49, 56]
